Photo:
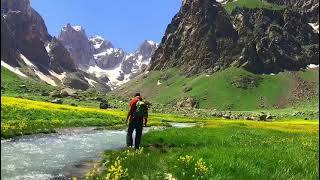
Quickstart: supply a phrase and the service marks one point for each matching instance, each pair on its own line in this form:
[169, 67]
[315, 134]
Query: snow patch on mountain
[129, 56]
[13, 69]
[27, 61]
[90, 81]
[77, 28]
[48, 48]
[97, 41]
[225, 1]
[112, 74]
[312, 66]
[58, 76]
[315, 27]
[45, 78]
[153, 43]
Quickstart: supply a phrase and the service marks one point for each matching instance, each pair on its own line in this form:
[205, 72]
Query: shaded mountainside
[273, 41]
[28, 30]
[202, 37]
[28, 50]
[9, 52]
[196, 38]
[308, 8]
[76, 42]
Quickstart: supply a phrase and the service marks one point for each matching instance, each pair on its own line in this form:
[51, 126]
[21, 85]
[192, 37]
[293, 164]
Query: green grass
[217, 91]
[22, 117]
[10, 85]
[232, 150]
[33, 90]
[252, 4]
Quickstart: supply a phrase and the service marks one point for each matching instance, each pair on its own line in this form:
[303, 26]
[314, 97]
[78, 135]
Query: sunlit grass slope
[221, 150]
[251, 4]
[217, 91]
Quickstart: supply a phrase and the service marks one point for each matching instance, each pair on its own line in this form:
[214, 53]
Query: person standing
[137, 118]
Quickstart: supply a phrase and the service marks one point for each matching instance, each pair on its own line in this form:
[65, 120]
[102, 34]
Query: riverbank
[70, 152]
[24, 117]
[221, 150]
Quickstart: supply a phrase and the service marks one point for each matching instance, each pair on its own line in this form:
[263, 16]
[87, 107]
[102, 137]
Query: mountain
[120, 66]
[106, 55]
[233, 55]
[71, 60]
[199, 38]
[98, 56]
[307, 8]
[28, 50]
[203, 37]
[28, 31]
[76, 42]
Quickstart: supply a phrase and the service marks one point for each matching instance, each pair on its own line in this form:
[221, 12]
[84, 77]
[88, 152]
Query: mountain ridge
[203, 37]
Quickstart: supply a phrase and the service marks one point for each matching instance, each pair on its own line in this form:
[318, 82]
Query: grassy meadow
[220, 150]
[228, 89]
[252, 4]
[286, 148]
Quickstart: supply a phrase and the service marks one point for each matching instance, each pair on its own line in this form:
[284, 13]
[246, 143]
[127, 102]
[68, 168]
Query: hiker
[137, 117]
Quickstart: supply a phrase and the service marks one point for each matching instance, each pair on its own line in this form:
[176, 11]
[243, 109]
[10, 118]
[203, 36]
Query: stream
[40, 157]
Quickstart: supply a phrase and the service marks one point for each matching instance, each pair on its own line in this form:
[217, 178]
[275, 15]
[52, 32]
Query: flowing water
[40, 157]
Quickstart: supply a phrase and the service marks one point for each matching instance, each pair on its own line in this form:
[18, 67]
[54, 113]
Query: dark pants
[135, 124]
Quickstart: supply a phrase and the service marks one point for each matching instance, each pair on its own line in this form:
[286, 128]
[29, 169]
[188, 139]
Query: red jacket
[132, 109]
[134, 101]
[133, 106]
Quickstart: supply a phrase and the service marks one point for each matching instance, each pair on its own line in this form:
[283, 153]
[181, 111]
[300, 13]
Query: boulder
[262, 117]
[57, 101]
[55, 94]
[249, 118]
[188, 103]
[68, 92]
[104, 104]
[269, 116]
[227, 116]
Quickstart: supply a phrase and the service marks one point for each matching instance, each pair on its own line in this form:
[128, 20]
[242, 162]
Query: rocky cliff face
[140, 59]
[28, 30]
[197, 39]
[60, 58]
[115, 64]
[9, 51]
[76, 42]
[26, 46]
[308, 8]
[202, 37]
[99, 57]
[273, 41]
[106, 55]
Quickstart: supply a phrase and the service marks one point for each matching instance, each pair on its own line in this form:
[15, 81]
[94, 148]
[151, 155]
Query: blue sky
[125, 23]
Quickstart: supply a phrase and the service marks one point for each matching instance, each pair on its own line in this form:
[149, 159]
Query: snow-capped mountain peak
[152, 43]
[100, 44]
[77, 28]
[118, 65]
[107, 60]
